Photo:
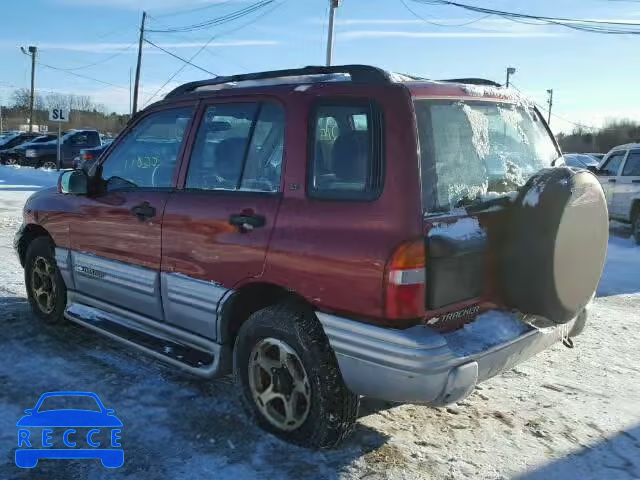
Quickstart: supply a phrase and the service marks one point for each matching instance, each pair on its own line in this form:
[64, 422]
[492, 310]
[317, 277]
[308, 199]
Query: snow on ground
[566, 414]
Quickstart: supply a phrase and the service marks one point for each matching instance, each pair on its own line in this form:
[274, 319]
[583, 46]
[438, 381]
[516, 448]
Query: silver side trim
[89, 307]
[63, 260]
[129, 286]
[190, 303]
[119, 274]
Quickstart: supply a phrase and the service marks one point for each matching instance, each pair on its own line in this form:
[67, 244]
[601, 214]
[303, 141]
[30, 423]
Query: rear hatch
[475, 155]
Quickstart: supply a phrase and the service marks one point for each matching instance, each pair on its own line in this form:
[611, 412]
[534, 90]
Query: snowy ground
[566, 414]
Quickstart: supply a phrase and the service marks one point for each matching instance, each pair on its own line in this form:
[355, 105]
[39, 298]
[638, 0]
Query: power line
[610, 27]
[197, 9]
[213, 37]
[431, 22]
[230, 17]
[104, 60]
[82, 76]
[180, 58]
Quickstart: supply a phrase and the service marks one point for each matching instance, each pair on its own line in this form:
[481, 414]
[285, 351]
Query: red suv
[325, 233]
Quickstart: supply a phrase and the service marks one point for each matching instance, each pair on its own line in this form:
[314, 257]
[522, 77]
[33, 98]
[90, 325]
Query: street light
[31, 52]
[510, 71]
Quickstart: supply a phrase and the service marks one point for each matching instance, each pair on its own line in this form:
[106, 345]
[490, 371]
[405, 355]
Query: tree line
[85, 113]
[613, 133]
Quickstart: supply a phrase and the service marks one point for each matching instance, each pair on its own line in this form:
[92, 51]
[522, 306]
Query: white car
[619, 174]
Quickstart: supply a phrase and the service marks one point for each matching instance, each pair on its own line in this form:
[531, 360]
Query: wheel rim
[49, 165]
[279, 384]
[43, 285]
[11, 161]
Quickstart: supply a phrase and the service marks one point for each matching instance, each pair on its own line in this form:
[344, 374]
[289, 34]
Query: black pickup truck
[44, 154]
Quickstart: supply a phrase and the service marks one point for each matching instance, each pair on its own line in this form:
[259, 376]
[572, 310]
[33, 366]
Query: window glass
[632, 166]
[264, 158]
[471, 150]
[238, 147]
[612, 165]
[344, 155]
[147, 157]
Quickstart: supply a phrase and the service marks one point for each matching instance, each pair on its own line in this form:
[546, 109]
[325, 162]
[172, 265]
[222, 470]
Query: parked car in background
[14, 139]
[45, 154]
[619, 174]
[325, 233]
[15, 155]
[88, 156]
[580, 160]
[597, 156]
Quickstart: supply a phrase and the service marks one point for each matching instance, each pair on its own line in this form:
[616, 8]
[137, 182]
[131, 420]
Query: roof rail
[358, 74]
[473, 81]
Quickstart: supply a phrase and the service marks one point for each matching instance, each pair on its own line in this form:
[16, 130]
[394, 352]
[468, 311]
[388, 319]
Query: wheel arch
[248, 299]
[29, 233]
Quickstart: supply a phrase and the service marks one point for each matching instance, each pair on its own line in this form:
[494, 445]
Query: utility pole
[137, 81]
[32, 51]
[550, 103]
[333, 4]
[510, 71]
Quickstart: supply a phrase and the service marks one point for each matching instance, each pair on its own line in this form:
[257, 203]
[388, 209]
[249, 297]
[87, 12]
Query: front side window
[632, 165]
[612, 166]
[239, 147]
[148, 155]
[345, 152]
[471, 150]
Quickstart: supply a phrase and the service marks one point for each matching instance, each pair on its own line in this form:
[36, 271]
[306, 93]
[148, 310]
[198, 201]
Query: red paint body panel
[105, 226]
[199, 241]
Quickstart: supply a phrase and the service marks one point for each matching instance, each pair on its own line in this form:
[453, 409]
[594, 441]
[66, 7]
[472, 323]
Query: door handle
[635, 181]
[612, 180]
[144, 211]
[247, 221]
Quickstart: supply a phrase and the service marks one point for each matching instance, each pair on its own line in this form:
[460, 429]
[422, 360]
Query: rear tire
[46, 290]
[332, 409]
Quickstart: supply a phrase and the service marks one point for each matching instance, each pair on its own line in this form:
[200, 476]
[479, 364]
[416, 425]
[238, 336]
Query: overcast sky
[594, 76]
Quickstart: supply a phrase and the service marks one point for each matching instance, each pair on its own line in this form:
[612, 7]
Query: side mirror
[74, 182]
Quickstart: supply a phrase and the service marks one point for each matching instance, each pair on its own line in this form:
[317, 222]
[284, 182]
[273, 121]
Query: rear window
[474, 150]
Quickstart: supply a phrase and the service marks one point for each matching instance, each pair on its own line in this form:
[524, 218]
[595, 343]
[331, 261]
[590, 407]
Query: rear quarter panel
[333, 252]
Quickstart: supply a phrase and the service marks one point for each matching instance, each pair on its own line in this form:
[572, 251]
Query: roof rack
[358, 74]
[473, 81]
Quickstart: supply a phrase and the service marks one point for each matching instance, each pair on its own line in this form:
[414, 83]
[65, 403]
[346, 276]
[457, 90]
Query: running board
[200, 357]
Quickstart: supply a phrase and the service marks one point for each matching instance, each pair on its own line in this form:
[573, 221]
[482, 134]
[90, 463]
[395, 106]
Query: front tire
[289, 380]
[46, 290]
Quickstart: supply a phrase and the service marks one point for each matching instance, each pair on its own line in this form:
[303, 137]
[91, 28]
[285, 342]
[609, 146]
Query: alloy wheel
[279, 384]
[43, 284]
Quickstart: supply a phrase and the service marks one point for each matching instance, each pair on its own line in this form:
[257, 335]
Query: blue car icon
[93, 415]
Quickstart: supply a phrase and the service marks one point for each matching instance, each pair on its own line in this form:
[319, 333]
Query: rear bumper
[420, 365]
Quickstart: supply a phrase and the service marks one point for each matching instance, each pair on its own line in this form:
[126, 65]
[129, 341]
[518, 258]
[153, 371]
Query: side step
[199, 356]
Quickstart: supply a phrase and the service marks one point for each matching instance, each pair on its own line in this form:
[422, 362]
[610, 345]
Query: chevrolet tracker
[325, 233]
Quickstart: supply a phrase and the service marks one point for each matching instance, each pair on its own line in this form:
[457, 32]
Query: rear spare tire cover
[556, 244]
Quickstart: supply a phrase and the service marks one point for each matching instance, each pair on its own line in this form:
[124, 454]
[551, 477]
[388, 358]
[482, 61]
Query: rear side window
[632, 166]
[345, 151]
[612, 165]
[239, 147]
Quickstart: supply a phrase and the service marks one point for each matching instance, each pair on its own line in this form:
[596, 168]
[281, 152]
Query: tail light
[405, 282]
[87, 156]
